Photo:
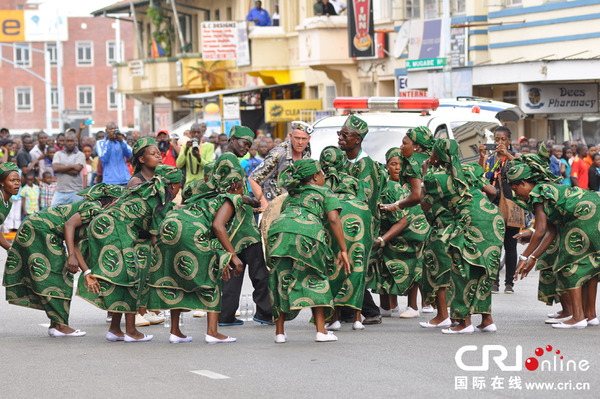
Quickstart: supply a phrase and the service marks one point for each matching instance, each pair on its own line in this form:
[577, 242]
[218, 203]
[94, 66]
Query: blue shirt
[262, 15]
[114, 167]
[554, 165]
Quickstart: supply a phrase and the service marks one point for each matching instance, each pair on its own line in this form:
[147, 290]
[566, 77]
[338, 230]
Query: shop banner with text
[361, 32]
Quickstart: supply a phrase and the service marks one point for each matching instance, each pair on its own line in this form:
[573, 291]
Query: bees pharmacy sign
[558, 98]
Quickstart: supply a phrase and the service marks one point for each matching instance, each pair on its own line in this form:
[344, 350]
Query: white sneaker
[329, 337]
[140, 321]
[199, 313]
[409, 313]
[357, 325]
[385, 313]
[335, 326]
[280, 338]
[153, 318]
[427, 309]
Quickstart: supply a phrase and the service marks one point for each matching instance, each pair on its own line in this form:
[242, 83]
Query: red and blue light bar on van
[387, 103]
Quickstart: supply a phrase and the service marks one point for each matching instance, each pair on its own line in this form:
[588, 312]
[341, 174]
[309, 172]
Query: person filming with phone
[194, 155]
[494, 158]
[113, 158]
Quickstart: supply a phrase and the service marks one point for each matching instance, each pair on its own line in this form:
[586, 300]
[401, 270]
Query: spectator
[592, 150]
[565, 164]
[263, 150]
[46, 163]
[324, 7]
[515, 146]
[194, 156]
[4, 133]
[60, 142]
[525, 149]
[222, 144]
[276, 15]
[114, 152]
[14, 217]
[47, 190]
[555, 160]
[136, 135]
[263, 179]
[533, 145]
[5, 148]
[579, 169]
[39, 150]
[31, 196]
[251, 162]
[68, 165]
[169, 150]
[87, 171]
[214, 140]
[276, 142]
[187, 136]
[259, 15]
[24, 159]
[594, 174]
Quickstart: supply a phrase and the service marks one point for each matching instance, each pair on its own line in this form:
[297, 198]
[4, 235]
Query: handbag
[513, 214]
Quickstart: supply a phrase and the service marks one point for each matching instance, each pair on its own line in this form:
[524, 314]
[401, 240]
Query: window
[509, 96]
[54, 97]
[217, 15]
[112, 98]
[459, 7]
[23, 54]
[23, 99]
[430, 10]
[85, 97]
[51, 49]
[229, 14]
[382, 9]
[111, 52]
[514, 3]
[413, 9]
[85, 53]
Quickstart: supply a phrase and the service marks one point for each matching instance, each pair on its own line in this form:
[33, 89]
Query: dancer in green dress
[570, 215]
[348, 289]
[194, 251]
[398, 251]
[112, 236]
[298, 256]
[37, 273]
[475, 256]
[10, 183]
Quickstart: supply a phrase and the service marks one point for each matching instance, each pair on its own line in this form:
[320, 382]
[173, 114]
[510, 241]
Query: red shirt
[579, 170]
[169, 157]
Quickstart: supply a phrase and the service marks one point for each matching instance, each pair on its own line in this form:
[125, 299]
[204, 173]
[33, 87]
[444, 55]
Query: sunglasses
[302, 126]
[344, 135]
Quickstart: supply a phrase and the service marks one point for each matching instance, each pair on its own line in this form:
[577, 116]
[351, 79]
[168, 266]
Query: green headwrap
[391, 153]
[170, 174]
[421, 136]
[447, 151]
[293, 175]
[241, 132]
[208, 168]
[139, 146]
[101, 190]
[163, 176]
[332, 160]
[357, 125]
[8, 167]
[226, 170]
[532, 167]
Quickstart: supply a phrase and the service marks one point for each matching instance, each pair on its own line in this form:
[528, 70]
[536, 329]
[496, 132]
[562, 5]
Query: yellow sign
[12, 26]
[289, 110]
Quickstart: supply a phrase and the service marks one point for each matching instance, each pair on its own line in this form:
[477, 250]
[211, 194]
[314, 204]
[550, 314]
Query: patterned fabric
[35, 275]
[357, 125]
[5, 209]
[242, 132]
[293, 175]
[299, 257]
[170, 174]
[186, 272]
[101, 190]
[447, 151]
[266, 174]
[138, 147]
[46, 194]
[422, 136]
[31, 195]
[8, 167]
[411, 168]
[531, 167]
[393, 152]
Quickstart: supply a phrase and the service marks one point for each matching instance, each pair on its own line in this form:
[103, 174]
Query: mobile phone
[88, 122]
[490, 146]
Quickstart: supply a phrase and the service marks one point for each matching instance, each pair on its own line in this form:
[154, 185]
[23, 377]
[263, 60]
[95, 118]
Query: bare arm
[490, 191]
[392, 232]
[541, 228]
[258, 193]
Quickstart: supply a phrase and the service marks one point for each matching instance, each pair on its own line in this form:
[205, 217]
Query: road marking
[209, 374]
[47, 325]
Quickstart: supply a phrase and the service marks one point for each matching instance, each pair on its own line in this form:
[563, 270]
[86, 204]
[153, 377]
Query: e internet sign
[12, 26]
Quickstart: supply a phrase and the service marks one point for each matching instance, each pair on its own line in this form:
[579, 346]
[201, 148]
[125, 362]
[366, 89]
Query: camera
[491, 146]
[195, 144]
[118, 132]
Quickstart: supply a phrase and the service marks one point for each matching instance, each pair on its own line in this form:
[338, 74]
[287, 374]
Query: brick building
[87, 78]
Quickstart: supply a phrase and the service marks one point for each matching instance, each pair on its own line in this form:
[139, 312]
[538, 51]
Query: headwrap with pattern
[422, 136]
[391, 153]
[242, 132]
[293, 175]
[226, 171]
[447, 151]
[138, 147]
[533, 167]
[102, 190]
[8, 167]
[332, 161]
[357, 125]
[163, 176]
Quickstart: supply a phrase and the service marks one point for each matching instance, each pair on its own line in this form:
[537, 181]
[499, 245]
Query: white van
[466, 119]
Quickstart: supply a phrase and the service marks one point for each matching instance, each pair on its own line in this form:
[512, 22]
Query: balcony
[270, 54]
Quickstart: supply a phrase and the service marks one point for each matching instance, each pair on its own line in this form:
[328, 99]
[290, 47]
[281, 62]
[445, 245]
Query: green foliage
[164, 32]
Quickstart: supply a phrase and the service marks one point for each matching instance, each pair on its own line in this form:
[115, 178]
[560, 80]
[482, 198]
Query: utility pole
[118, 59]
[447, 49]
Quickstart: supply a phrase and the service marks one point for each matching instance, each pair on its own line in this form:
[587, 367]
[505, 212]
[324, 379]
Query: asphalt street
[395, 359]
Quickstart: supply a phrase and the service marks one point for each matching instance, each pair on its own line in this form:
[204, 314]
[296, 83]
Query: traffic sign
[427, 63]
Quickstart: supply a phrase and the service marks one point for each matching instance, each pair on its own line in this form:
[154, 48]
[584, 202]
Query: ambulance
[469, 120]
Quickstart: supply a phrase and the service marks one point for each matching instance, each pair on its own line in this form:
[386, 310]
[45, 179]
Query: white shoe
[466, 330]
[594, 322]
[556, 321]
[280, 338]
[53, 332]
[199, 313]
[409, 313]
[491, 328]
[174, 339]
[553, 315]
[335, 326]
[385, 313]
[329, 337]
[140, 321]
[358, 326]
[427, 309]
[113, 337]
[109, 317]
[145, 338]
[209, 339]
[445, 323]
[153, 318]
[581, 324]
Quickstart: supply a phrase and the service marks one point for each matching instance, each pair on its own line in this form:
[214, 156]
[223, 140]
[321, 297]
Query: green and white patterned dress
[186, 272]
[36, 274]
[299, 258]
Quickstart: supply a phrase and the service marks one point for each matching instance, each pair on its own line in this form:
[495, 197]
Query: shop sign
[32, 26]
[428, 63]
[219, 40]
[361, 31]
[289, 110]
[558, 98]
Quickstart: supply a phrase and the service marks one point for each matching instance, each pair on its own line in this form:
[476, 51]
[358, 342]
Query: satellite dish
[401, 40]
